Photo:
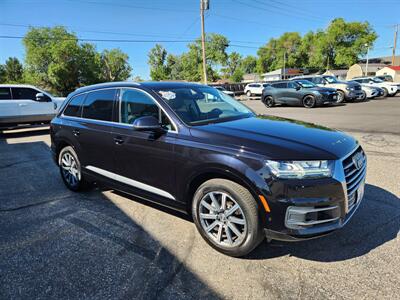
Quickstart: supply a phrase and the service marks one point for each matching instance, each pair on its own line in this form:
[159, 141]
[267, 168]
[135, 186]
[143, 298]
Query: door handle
[75, 132]
[118, 140]
[22, 104]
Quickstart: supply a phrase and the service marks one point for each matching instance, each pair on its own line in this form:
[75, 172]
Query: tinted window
[318, 80]
[98, 105]
[5, 94]
[73, 108]
[280, 85]
[135, 104]
[24, 93]
[292, 85]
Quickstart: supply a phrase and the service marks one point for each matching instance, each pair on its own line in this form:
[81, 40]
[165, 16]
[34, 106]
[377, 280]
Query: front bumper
[351, 95]
[304, 209]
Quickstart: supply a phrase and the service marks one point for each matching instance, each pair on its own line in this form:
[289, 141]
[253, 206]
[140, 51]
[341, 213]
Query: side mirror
[40, 97]
[147, 123]
[298, 88]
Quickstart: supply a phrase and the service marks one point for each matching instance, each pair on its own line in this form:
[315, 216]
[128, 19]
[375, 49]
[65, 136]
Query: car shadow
[376, 222]
[57, 244]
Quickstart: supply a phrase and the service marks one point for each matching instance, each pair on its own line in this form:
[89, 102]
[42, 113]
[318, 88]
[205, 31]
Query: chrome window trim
[119, 105]
[156, 102]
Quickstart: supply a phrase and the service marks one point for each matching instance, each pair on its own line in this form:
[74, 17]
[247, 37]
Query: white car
[26, 104]
[224, 90]
[254, 89]
[389, 88]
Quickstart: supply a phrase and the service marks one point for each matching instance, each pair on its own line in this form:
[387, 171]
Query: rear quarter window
[74, 106]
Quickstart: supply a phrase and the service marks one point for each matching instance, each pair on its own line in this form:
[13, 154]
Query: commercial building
[393, 71]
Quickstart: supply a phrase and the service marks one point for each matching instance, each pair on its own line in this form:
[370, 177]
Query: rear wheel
[226, 215]
[309, 101]
[340, 97]
[248, 94]
[70, 169]
[269, 101]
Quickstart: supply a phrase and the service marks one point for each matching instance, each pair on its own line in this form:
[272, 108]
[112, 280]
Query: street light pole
[204, 5]
[366, 65]
[284, 64]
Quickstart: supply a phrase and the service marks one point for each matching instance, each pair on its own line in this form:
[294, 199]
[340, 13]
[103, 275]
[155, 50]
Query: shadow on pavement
[23, 132]
[56, 244]
[376, 222]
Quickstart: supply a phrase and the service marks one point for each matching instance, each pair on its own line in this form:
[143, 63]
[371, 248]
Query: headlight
[350, 88]
[301, 169]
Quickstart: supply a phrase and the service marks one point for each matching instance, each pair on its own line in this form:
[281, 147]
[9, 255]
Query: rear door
[30, 109]
[280, 92]
[93, 131]
[145, 161]
[9, 108]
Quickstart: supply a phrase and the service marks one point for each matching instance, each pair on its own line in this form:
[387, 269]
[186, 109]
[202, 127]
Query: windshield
[331, 79]
[377, 80]
[220, 88]
[306, 83]
[202, 105]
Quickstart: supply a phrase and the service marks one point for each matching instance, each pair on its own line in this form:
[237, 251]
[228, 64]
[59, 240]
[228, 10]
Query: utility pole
[284, 64]
[394, 44]
[204, 5]
[366, 65]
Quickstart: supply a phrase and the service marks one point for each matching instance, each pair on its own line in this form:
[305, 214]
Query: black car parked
[298, 93]
[192, 148]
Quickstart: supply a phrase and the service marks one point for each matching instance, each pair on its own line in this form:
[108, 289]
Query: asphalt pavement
[56, 244]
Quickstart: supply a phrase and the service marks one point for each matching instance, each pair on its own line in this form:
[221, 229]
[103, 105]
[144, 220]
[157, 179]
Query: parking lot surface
[101, 244]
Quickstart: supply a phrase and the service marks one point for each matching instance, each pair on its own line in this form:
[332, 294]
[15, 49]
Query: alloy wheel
[70, 170]
[309, 101]
[222, 219]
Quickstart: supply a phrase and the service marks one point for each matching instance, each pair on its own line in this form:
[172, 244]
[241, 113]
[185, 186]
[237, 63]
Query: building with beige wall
[393, 71]
[358, 70]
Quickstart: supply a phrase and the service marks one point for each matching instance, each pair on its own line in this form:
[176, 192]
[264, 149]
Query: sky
[248, 24]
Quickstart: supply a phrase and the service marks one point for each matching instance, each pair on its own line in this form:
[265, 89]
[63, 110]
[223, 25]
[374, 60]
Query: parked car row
[317, 90]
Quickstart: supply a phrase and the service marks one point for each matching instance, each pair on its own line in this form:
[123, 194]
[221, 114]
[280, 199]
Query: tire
[340, 97]
[269, 101]
[248, 93]
[385, 92]
[364, 97]
[70, 169]
[246, 233]
[309, 101]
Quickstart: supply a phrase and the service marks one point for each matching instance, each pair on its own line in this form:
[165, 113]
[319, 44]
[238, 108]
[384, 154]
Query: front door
[145, 161]
[31, 109]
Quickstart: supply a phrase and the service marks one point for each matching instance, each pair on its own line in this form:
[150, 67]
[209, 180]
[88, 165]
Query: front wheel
[340, 97]
[363, 97]
[269, 101]
[248, 93]
[70, 169]
[385, 92]
[309, 101]
[226, 215]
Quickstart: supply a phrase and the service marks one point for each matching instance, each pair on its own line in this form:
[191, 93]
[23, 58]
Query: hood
[277, 138]
[59, 98]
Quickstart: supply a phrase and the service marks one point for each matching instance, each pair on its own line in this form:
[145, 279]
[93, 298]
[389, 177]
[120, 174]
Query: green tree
[233, 63]
[271, 56]
[13, 70]
[237, 76]
[248, 64]
[2, 74]
[115, 65]
[157, 61]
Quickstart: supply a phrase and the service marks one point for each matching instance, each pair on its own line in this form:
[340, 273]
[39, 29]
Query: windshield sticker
[167, 95]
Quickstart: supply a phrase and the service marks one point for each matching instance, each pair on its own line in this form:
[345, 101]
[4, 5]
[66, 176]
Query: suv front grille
[355, 169]
[357, 88]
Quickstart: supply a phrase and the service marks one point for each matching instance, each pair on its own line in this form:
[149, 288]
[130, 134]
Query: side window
[74, 106]
[5, 94]
[280, 85]
[24, 93]
[318, 80]
[135, 104]
[98, 105]
[292, 85]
